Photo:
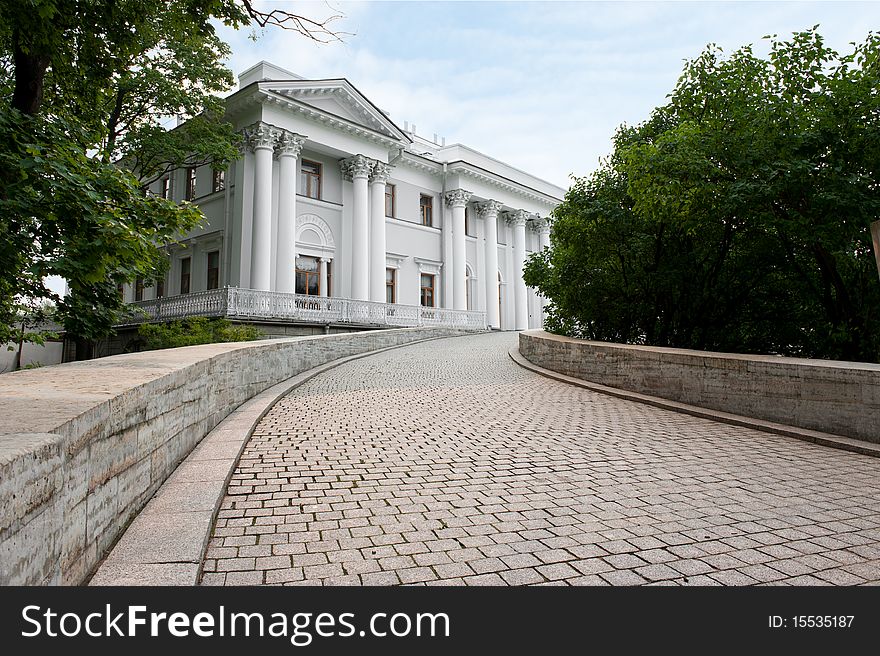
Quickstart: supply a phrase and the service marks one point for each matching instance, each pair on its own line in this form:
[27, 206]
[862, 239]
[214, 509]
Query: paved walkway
[446, 463]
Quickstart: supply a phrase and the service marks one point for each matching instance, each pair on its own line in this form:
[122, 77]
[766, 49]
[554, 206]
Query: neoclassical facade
[330, 198]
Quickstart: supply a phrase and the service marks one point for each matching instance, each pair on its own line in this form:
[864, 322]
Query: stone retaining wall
[84, 445]
[842, 398]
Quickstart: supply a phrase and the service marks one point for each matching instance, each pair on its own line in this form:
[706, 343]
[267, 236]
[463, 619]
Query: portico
[330, 198]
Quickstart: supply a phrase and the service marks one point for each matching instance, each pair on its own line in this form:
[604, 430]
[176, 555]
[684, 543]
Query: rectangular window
[469, 228]
[426, 206]
[310, 179]
[219, 183]
[185, 265]
[391, 285]
[427, 290]
[160, 287]
[190, 183]
[308, 276]
[214, 270]
[121, 289]
[329, 278]
[138, 289]
[390, 201]
[166, 188]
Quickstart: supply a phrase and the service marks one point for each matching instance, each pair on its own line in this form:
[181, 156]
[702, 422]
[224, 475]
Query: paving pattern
[444, 463]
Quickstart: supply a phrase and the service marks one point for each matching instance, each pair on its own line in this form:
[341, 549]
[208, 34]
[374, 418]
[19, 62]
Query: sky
[540, 85]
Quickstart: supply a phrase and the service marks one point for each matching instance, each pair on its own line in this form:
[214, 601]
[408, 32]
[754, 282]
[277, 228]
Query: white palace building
[334, 215]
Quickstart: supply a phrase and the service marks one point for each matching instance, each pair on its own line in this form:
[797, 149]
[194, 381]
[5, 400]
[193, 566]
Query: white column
[357, 169]
[457, 199]
[544, 232]
[263, 143]
[445, 277]
[381, 171]
[244, 202]
[489, 212]
[520, 297]
[324, 282]
[289, 148]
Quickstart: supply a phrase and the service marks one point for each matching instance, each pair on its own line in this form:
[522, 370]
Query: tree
[85, 86]
[737, 217]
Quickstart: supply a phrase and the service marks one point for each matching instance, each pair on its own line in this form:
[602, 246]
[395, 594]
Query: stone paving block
[447, 457]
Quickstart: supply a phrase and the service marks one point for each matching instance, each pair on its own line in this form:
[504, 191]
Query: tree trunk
[16, 363]
[30, 72]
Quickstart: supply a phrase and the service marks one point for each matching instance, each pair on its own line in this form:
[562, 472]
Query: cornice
[419, 163]
[463, 168]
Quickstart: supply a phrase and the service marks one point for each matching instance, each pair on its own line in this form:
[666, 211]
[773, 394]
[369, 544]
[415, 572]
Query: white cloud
[544, 85]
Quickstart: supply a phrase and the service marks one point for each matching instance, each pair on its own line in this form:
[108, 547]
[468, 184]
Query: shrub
[196, 330]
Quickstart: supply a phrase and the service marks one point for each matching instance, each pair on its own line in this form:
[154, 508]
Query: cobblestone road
[445, 463]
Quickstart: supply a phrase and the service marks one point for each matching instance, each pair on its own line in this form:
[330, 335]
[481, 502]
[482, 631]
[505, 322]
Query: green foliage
[737, 218]
[196, 330]
[64, 213]
[84, 88]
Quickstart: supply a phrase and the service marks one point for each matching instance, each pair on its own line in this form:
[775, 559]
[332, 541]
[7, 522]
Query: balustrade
[255, 305]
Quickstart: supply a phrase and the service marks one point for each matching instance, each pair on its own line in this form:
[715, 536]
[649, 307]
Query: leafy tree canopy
[737, 217]
[84, 88]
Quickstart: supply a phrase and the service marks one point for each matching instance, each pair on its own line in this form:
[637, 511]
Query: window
[138, 289]
[427, 292]
[185, 265]
[214, 270]
[166, 188]
[219, 183]
[310, 179]
[469, 224]
[426, 206]
[120, 288]
[329, 278]
[502, 231]
[308, 276]
[390, 285]
[389, 200]
[190, 183]
[160, 287]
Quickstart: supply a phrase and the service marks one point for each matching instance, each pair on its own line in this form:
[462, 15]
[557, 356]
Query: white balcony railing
[254, 305]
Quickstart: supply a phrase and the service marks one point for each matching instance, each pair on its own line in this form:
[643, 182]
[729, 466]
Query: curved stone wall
[84, 445]
[841, 398]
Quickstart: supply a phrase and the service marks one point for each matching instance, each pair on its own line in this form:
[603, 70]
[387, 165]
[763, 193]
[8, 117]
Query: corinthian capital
[289, 144]
[457, 198]
[261, 135]
[489, 208]
[541, 226]
[381, 172]
[518, 218]
[356, 166]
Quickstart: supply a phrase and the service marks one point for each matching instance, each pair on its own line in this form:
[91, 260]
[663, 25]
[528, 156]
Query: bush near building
[196, 330]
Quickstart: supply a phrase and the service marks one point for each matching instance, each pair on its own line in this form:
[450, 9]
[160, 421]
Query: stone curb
[816, 437]
[165, 544]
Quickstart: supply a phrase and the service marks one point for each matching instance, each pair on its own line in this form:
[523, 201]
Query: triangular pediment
[337, 98]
